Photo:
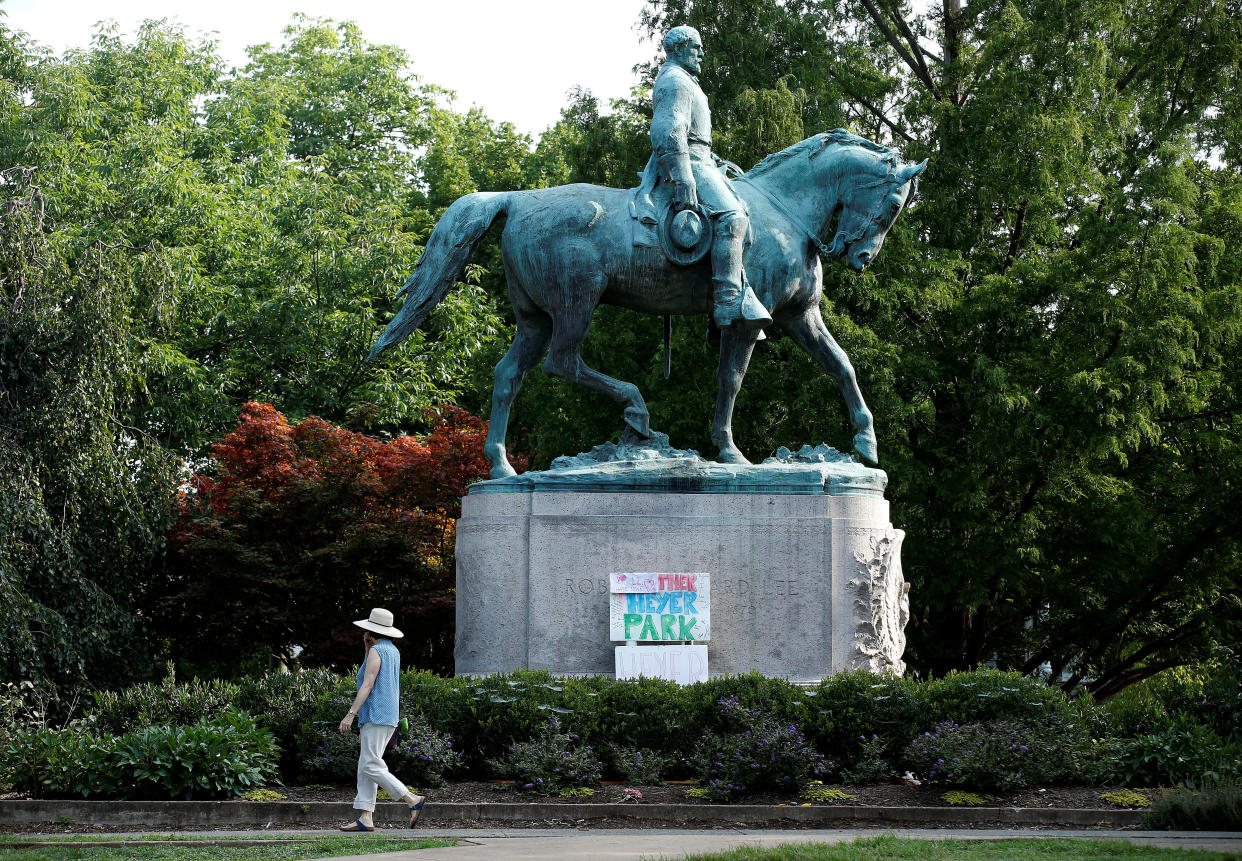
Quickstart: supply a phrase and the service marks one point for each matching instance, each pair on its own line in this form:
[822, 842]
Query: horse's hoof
[865, 447]
[731, 454]
[502, 470]
[639, 420]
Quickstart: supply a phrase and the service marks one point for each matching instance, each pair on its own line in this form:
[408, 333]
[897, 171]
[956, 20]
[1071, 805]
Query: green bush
[756, 753]
[646, 713]
[283, 702]
[45, 762]
[637, 765]
[1215, 809]
[423, 755]
[1210, 694]
[872, 763]
[163, 704]
[553, 760]
[1181, 751]
[330, 756]
[988, 695]
[846, 709]
[999, 755]
[220, 757]
[217, 758]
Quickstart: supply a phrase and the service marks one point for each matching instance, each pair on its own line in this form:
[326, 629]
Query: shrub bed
[986, 730]
[218, 757]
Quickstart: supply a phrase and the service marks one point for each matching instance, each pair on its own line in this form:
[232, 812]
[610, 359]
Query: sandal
[416, 810]
[355, 826]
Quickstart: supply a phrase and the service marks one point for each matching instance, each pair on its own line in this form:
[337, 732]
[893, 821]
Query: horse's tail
[454, 240]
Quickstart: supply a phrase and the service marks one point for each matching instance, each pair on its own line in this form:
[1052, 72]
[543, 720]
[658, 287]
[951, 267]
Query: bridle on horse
[842, 239]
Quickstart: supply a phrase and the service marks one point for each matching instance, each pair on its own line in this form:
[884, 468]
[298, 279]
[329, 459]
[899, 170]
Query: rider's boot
[733, 299]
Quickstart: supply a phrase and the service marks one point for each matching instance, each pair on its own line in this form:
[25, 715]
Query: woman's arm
[364, 690]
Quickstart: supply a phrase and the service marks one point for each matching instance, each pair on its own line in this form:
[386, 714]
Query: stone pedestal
[806, 574]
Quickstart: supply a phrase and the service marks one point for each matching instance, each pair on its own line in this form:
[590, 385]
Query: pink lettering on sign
[676, 582]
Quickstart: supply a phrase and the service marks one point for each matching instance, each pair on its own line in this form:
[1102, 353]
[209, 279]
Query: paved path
[493, 844]
[632, 845]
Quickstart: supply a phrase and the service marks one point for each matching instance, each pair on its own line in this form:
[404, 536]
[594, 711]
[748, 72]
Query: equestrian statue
[687, 240]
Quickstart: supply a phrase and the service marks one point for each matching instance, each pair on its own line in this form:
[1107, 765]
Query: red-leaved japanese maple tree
[297, 529]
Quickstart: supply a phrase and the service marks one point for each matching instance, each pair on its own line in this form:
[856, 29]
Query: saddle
[685, 236]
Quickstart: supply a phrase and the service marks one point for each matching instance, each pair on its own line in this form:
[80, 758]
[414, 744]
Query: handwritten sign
[647, 607]
[682, 664]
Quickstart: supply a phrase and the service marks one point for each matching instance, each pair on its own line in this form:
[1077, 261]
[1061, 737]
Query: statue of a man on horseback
[566, 250]
[681, 142]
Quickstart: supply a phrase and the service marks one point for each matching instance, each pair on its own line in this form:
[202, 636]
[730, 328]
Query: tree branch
[915, 48]
[1015, 238]
[875, 111]
[916, 67]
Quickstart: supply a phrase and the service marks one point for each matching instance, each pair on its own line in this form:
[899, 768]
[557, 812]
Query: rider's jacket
[681, 125]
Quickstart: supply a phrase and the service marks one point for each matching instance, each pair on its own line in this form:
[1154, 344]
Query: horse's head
[870, 201]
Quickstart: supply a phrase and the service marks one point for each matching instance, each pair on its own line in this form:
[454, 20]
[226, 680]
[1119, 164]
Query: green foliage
[325, 754]
[1126, 798]
[984, 695]
[551, 761]
[1218, 808]
[956, 798]
[818, 793]
[847, 709]
[999, 755]
[262, 795]
[638, 765]
[757, 753]
[871, 765]
[166, 703]
[1209, 693]
[282, 702]
[175, 242]
[576, 792]
[424, 755]
[84, 496]
[1180, 752]
[219, 757]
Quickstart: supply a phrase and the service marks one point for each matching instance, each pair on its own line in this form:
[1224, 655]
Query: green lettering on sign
[666, 626]
[648, 625]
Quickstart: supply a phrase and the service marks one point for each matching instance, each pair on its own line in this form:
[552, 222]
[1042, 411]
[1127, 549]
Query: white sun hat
[380, 622]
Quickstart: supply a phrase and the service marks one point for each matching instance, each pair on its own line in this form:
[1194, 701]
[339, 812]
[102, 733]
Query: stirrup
[745, 309]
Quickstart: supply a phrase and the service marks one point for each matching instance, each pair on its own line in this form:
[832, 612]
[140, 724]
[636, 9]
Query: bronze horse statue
[568, 249]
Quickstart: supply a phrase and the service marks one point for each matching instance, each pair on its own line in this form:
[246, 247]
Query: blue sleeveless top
[381, 705]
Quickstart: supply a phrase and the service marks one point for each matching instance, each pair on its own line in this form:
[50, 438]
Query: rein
[793, 219]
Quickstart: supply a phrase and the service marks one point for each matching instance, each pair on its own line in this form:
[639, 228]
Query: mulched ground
[878, 795]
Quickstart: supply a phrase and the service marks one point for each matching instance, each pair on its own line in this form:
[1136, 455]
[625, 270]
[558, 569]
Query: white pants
[372, 771]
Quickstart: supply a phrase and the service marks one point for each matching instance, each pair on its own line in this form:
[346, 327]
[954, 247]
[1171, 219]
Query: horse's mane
[815, 144]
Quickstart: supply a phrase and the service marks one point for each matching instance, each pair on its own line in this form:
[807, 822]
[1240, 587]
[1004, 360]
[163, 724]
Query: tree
[297, 526]
[84, 496]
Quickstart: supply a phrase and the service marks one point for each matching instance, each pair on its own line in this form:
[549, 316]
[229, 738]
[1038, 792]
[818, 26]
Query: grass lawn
[313, 847]
[890, 848]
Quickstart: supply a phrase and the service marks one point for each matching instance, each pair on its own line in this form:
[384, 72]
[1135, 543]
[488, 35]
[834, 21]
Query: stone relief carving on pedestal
[883, 601]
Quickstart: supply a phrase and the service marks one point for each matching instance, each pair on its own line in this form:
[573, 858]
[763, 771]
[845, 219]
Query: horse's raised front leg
[569, 329]
[736, 346]
[813, 336]
[533, 333]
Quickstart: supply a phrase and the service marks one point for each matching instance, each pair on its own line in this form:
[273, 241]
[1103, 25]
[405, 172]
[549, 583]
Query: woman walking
[375, 706]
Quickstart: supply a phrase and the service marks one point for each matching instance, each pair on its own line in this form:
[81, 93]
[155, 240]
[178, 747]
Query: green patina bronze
[568, 249]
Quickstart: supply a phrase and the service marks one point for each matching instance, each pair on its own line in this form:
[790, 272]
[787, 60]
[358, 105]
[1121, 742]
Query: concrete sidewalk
[498, 844]
[632, 845]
